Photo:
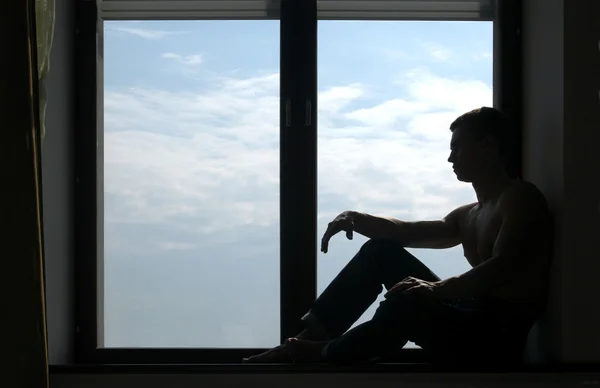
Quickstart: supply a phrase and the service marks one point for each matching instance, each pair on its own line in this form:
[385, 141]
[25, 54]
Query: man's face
[469, 156]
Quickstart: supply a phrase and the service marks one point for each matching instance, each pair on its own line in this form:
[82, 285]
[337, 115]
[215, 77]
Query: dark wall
[581, 213]
[562, 121]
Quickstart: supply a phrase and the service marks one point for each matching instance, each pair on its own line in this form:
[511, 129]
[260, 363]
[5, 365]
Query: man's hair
[486, 121]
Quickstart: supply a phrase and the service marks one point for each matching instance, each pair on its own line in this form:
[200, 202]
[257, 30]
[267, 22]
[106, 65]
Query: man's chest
[479, 232]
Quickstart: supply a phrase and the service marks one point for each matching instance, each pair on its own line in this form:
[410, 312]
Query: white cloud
[334, 99]
[212, 156]
[443, 94]
[176, 246]
[438, 52]
[457, 55]
[145, 33]
[191, 60]
[387, 113]
[482, 56]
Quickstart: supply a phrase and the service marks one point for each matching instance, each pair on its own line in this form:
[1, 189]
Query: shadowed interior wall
[560, 154]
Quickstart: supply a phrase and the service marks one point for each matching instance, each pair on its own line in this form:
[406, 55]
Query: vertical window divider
[508, 76]
[298, 162]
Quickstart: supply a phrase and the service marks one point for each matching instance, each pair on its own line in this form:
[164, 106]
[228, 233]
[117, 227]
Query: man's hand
[343, 222]
[442, 289]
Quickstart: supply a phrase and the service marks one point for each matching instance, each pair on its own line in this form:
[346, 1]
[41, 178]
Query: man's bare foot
[303, 350]
[278, 355]
[293, 350]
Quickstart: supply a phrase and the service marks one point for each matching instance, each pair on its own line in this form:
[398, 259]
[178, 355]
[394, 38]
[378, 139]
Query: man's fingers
[397, 288]
[324, 246]
[411, 290]
[334, 228]
[392, 291]
[401, 286]
[349, 228]
[403, 289]
[325, 240]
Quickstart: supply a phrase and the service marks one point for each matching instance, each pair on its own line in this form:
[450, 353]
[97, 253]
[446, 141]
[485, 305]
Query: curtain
[44, 36]
[24, 350]
[44, 20]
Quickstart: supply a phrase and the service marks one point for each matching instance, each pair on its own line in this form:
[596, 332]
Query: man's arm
[444, 233]
[524, 211]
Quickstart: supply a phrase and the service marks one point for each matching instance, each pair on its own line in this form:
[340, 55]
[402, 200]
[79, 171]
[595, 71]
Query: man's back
[480, 229]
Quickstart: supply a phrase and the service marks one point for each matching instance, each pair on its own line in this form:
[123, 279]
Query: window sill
[400, 368]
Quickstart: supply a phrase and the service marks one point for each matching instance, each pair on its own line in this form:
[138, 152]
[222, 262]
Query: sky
[191, 169]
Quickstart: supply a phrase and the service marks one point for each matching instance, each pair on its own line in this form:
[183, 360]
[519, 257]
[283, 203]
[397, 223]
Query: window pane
[388, 92]
[191, 184]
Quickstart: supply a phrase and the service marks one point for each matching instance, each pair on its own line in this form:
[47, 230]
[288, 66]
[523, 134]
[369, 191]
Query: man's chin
[461, 178]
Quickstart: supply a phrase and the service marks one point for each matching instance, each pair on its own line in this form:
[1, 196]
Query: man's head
[481, 144]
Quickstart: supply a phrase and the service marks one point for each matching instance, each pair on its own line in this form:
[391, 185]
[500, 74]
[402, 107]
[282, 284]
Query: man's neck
[491, 187]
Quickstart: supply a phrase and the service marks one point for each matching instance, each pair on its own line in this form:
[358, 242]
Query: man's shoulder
[461, 212]
[525, 196]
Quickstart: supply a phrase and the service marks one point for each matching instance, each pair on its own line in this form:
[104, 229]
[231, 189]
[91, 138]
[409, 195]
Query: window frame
[298, 155]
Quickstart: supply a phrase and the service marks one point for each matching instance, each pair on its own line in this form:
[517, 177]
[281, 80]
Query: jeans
[470, 330]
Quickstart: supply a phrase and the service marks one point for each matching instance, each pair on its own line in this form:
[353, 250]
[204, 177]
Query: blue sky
[191, 115]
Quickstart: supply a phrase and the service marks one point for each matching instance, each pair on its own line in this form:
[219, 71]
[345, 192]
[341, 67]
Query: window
[388, 91]
[191, 184]
[199, 123]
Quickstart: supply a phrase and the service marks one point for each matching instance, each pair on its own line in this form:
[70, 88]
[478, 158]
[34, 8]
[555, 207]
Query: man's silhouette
[483, 315]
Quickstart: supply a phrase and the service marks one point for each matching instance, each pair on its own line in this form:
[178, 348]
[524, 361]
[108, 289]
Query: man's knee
[379, 249]
[382, 244]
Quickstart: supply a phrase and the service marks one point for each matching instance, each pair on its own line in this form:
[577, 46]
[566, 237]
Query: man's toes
[279, 354]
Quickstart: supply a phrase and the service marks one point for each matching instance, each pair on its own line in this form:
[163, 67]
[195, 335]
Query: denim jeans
[470, 330]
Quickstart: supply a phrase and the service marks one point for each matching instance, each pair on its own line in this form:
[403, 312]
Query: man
[483, 315]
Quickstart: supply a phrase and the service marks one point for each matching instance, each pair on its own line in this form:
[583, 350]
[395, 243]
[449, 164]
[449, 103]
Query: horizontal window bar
[270, 9]
[189, 9]
[405, 9]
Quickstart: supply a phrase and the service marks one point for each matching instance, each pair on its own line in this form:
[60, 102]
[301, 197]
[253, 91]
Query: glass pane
[388, 92]
[191, 184]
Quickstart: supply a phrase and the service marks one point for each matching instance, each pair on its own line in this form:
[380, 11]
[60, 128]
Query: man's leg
[478, 332]
[378, 263]
[386, 333]
[489, 333]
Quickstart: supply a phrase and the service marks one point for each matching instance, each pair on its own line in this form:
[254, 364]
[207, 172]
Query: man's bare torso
[479, 228]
